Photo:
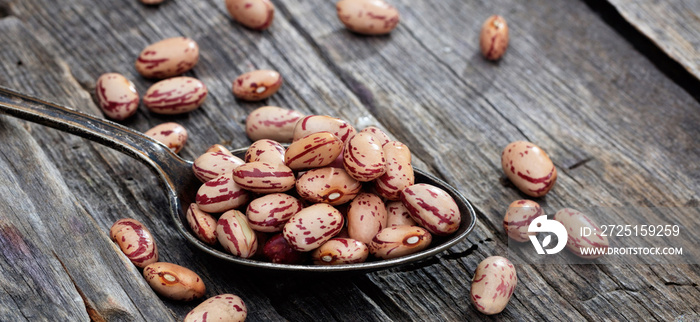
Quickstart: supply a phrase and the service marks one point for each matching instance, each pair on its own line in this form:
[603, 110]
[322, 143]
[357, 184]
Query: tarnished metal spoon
[180, 184]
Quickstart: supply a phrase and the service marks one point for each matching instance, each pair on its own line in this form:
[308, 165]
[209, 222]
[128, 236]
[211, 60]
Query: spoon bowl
[180, 184]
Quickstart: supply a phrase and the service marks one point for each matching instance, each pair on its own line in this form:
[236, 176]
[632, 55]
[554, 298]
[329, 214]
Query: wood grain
[618, 130]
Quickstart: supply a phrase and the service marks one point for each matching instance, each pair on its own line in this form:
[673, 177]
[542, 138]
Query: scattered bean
[338, 251]
[175, 95]
[432, 208]
[173, 135]
[368, 17]
[494, 38]
[270, 212]
[235, 235]
[271, 122]
[220, 308]
[257, 85]
[202, 224]
[328, 185]
[397, 241]
[167, 58]
[254, 14]
[518, 218]
[313, 226]
[529, 168]
[313, 151]
[575, 221]
[493, 284]
[116, 96]
[174, 281]
[135, 241]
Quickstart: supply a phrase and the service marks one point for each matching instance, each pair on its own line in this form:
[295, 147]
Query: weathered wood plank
[672, 25]
[561, 85]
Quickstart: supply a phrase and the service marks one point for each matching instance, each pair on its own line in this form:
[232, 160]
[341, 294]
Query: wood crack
[91, 311]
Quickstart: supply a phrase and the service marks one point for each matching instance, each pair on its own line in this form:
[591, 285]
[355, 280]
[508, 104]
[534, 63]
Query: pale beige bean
[271, 122]
[270, 212]
[167, 58]
[328, 185]
[577, 222]
[220, 308]
[312, 226]
[175, 95]
[221, 194]
[135, 241]
[173, 135]
[213, 164]
[398, 215]
[529, 168]
[267, 151]
[202, 224]
[254, 14]
[363, 158]
[313, 151]
[432, 208]
[116, 96]
[174, 281]
[379, 136]
[219, 148]
[257, 85]
[366, 217]
[368, 17]
[399, 171]
[322, 123]
[235, 235]
[494, 38]
[493, 284]
[338, 251]
[518, 217]
[397, 241]
[264, 177]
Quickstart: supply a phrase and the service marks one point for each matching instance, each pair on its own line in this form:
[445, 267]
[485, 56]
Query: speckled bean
[221, 194]
[529, 168]
[493, 284]
[270, 212]
[379, 136]
[338, 251]
[202, 224]
[235, 235]
[397, 241]
[363, 158]
[264, 177]
[173, 135]
[278, 250]
[254, 14]
[271, 122]
[432, 208]
[167, 58]
[257, 85]
[494, 38]
[399, 171]
[518, 217]
[368, 17]
[329, 185]
[219, 148]
[574, 221]
[366, 217]
[135, 241]
[213, 164]
[312, 226]
[174, 281]
[116, 96]
[313, 151]
[398, 215]
[267, 151]
[175, 95]
[220, 308]
[322, 123]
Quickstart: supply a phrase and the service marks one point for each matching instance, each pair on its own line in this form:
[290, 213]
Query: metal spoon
[180, 184]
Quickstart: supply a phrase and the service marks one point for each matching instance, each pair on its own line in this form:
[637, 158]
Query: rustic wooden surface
[619, 131]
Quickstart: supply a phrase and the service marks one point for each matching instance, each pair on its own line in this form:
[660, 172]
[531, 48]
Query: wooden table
[619, 126]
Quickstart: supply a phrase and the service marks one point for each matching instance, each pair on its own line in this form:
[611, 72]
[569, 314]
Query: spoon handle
[135, 144]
